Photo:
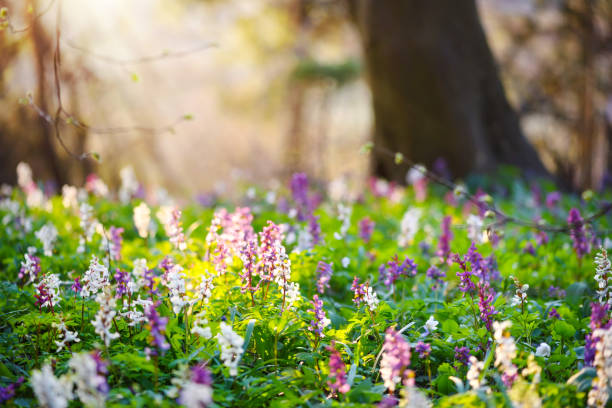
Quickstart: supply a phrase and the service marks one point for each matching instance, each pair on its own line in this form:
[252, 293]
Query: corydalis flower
[423, 349]
[103, 323]
[395, 360]
[142, 219]
[67, 336]
[474, 372]
[47, 235]
[95, 278]
[8, 392]
[363, 293]
[47, 291]
[409, 226]
[603, 275]
[505, 352]
[445, 239]
[436, 275]
[474, 228]
[116, 241]
[366, 228]
[598, 395]
[157, 328]
[462, 354]
[50, 391]
[485, 303]
[88, 374]
[390, 272]
[320, 321]
[520, 295]
[324, 273]
[88, 225]
[171, 220]
[577, 232]
[197, 393]
[30, 268]
[129, 184]
[337, 372]
[231, 347]
[299, 191]
[599, 319]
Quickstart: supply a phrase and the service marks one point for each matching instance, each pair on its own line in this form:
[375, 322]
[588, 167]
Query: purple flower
[599, 319]
[536, 194]
[270, 239]
[30, 268]
[552, 199]
[148, 276]
[122, 278]
[116, 242]
[366, 228]
[529, 249]
[462, 354]
[390, 272]
[359, 291]
[201, 375]
[576, 224]
[541, 238]
[8, 392]
[445, 239]
[388, 401]
[320, 321]
[299, 191]
[157, 327]
[437, 276]
[314, 229]
[555, 292]
[337, 371]
[553, 314]
[324, 272]
[395, 360]
[76, 286]
[101, 370]
[485, 303]
[423, 349]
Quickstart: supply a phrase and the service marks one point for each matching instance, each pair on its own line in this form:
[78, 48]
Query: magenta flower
[337, 372]
[445, 239]
[485, 303]
[390, 272]
[366, 228]
[395, 360]
[462, 354]
[576, 223]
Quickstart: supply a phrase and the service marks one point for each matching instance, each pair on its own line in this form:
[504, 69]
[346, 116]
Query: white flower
[474, 228]
[505, 351]
[543, 350]
[409, 226]
[88, 382]
[50, 391]
[51, 284]
[292, 295]
[47, 235]
[603, 275]
[70, 196]
[200, 328]
[29, 267]
[103, 322]
[95, 278]
[170, 218]
[129, 184]
[431, 325]
[230, 344]
[195, 395]
[142, 219]
[344, 216]
[67, 336]
[415, 174]
[175, 282]
[346, 261]
[473, 374]
[371, 299]
[24, 175]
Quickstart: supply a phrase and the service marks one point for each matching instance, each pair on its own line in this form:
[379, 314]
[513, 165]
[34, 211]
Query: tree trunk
[435, 88]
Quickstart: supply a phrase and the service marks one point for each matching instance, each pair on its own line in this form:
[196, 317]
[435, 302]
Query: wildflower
[299, 192]
[462, 354]
[231, 345]
[543, 350]
[423, 349]
[123, 282]
[541, 238]
[115, 242]
[599, 320]
[324, 272]
[552, 199]
[94, 184]
[474, 373]
[520, 296]
[205, 289]
[409, 226]
[388, 401]
[198, 392]
[171, 220]
[346, 261]
[390, 272]
[395, 359]
[157, 328]
[417, 177]
[505, 352]
[576, 224]
[67, 335]
[364, 293]
[50, 391]
[30, 268]
[70, 196]
[554, 291]
[314, 229]
[553, 314]
[47, 235]
[445, 239]
[337, 371]
[366, 228]
[199, 326]
[104, 318]
[95, 278]
[129, 184]
[598, 395]
[47, 291]
[320, 321]
[87, 373]
[436, 275]
[485, 303]
[475, 228]
[430, 325]
[344, 216]
[603, 275]
[175, 282]
[533, 369]
[88, 224]
[142, 219]
[8, 392]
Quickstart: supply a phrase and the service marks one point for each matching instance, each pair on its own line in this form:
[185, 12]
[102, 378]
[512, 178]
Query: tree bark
[435, 88]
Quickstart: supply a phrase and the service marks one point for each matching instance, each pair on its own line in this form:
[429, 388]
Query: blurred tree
[435, 88]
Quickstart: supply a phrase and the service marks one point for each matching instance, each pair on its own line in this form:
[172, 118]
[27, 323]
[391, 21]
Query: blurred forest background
[195, 94]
